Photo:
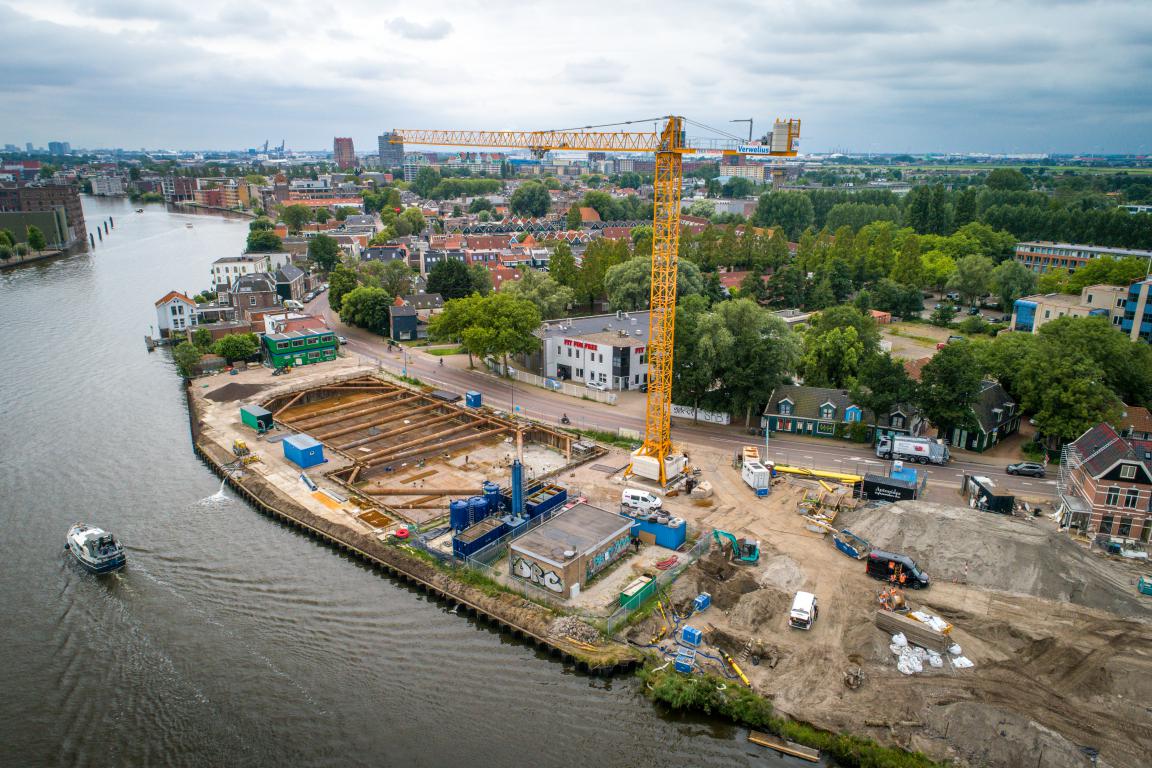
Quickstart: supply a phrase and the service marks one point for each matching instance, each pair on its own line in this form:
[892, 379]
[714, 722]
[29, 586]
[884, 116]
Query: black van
[884, 565]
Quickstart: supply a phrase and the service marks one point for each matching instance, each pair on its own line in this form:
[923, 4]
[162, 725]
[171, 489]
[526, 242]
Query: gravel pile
[572, 628]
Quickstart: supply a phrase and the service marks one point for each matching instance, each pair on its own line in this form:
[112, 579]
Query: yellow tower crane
[655, 459]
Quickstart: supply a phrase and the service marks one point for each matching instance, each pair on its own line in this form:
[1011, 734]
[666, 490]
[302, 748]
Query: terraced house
[825, 412]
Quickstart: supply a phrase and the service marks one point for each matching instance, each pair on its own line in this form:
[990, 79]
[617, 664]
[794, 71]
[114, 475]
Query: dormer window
[852, 413]
[897, 420]
[1127, 471]
[827, 411]
[785, 407]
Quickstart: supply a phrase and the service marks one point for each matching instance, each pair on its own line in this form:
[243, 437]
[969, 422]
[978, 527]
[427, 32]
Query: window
[1127, 471]
[580, 373]
[251, 301]
[313, 355]
[313, 341]
[1125, 529]
[1106, 525]
[1113, 497]
[559, 349]
[1131, 498]
[297, 342]
[898, 421]
[282, 345]
[785, 408]
[569, 351]
[327, 339]
[827, 411]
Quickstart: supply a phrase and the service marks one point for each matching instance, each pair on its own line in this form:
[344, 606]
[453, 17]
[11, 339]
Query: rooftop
[583, 327]
[1062, 299]
[1027, 245]
[577, 530]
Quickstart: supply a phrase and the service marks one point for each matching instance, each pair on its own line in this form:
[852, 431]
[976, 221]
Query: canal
[230, 639]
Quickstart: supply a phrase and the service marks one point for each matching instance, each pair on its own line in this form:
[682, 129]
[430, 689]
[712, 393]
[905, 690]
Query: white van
[641, 500]
[293, 304]
[804, 611]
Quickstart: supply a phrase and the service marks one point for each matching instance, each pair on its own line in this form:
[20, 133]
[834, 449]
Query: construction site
[1026, 643]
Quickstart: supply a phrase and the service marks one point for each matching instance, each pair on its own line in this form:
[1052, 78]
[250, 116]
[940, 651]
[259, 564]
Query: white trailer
[757, 476]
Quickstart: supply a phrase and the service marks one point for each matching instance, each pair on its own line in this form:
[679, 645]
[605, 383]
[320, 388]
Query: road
[628, 413]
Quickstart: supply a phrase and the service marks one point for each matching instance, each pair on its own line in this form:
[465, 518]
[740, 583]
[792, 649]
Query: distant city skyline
[1029, 76]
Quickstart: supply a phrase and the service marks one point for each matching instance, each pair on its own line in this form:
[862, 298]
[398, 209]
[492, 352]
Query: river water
[231, 640]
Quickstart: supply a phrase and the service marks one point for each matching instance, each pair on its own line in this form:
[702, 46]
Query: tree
[901, 300]
[1126, 367]
[261, 223]
[499, 324]
[296, 216]
[450, 278]
[1008, 179]
[458, 316]
[574, 220]
[943, 315]
[562, 265]
[264, 241]
[530, 199]
[839, 317]
[395, 278]
[367, 308]
[791, 210]
[882, 384]
[909, 268]
[938, 268]
[832, 358]
[972, 279]
[1011, 280]
[550, 298]
[322, 215]
[1066, 392]
[949, 384]
[427, 179]
[480, 204]
[202, 338]
[481, 279]
[237, 346]
[340, 282]
[36, 239]
[764, 350]
[6, 252]
[599, 257]
[324, 251]
[629, 285]
[414, 218]
[187, 358]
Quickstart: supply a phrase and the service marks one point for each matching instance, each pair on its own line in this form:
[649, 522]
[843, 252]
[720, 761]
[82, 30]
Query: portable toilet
[691, 635]
[472, 399]
[303, 451]
[260, 419]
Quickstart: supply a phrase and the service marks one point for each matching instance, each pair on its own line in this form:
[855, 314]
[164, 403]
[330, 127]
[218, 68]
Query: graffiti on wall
[602, 560]
[526, 569]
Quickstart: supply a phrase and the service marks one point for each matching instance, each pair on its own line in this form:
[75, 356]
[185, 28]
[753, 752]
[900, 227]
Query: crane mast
[655, 459]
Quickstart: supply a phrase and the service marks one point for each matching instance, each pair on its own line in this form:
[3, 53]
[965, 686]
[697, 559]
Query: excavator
[746, 551]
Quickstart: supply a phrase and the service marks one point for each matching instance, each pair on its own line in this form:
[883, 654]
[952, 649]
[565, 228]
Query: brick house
[1105, 485]
[252, 293]
[825, 412]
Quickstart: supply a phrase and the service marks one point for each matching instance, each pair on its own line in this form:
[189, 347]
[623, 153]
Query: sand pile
[998, 552]
[783, 573]
[764, 606]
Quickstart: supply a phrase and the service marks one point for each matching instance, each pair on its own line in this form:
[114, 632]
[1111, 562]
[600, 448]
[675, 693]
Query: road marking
[1025, 483]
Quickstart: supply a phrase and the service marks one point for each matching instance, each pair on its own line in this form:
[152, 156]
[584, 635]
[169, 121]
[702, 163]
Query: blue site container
[303, 451]
[476, 537]
[458, 514]
[702, 601]
[670, 535]
[685, 661]
[691, 635]
[492, 494]
[548, 497]
[472, 399]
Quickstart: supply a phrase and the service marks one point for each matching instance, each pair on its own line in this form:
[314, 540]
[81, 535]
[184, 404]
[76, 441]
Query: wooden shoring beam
[370, 457]
[374, 422]
[337, 417]
[342, 406]
[355, 473]
[291, 403]
[441, 446]
[438, 419]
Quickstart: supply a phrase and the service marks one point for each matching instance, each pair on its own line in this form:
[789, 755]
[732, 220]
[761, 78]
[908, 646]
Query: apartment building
[343, 152]
[1137, 319]
[1029, 313]
[1041, 256]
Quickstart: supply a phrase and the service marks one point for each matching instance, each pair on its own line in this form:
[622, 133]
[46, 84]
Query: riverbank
[214, 208]
[32, 256]
[528, 621]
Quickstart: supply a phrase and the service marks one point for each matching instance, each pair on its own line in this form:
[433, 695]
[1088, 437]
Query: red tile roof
[175, 295]
[1137, 418]
[915, 368]
[589, 214]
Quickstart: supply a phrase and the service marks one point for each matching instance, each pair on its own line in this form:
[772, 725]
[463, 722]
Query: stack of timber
[918, 633]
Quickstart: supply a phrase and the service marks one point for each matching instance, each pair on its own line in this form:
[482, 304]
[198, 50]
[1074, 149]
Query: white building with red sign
[608, 350]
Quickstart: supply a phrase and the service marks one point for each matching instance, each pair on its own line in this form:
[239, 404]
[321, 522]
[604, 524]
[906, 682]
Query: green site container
[1145, 585]
[637, 592]
[260, 419]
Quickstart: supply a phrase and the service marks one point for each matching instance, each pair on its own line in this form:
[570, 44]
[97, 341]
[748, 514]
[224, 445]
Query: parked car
[1028, 468]
[342, 339]
[973, 310]
[954, 339]
[953, 296]
[599, 386]
[1006, 318]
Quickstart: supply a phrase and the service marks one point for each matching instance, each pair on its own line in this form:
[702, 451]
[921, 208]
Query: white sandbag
[918, 652]
[935, 659]
[899, 639]
[954, 649]
[896, 649]
[909, 664]
[961, 662]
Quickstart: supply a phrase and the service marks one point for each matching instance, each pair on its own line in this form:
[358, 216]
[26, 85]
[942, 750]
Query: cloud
[437, 29]
[596, 71]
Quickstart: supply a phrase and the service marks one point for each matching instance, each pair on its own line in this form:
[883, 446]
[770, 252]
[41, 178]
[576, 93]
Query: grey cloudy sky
[863, 75]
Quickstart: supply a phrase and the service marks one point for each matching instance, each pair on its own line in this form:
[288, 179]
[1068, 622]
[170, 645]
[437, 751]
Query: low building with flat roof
[1108, 301]
[565, 553]
[606, 349]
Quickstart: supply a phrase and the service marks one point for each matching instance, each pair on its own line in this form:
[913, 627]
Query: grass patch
[407, 379]
[608, 438]
[914, 337]
[713, 696]
[444, 351]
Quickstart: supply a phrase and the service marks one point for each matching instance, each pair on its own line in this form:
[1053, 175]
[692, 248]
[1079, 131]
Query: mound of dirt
[997, 552]
[233, 391]
[755, 609]
[783, 573]
[725, 581]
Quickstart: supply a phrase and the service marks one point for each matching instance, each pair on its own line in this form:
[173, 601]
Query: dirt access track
[1060, 638]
